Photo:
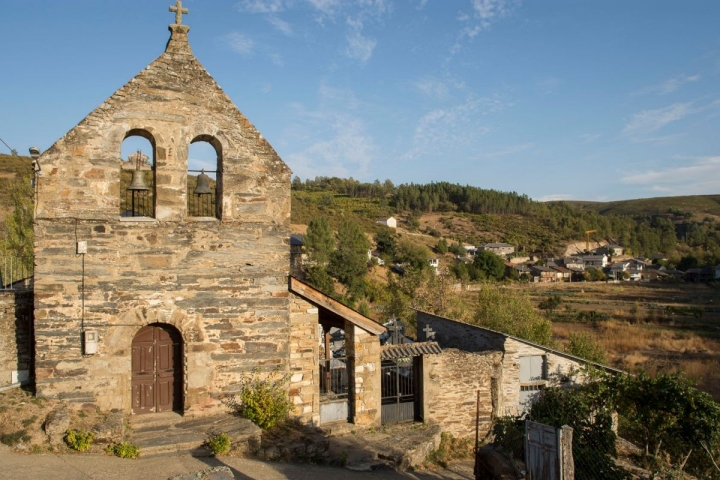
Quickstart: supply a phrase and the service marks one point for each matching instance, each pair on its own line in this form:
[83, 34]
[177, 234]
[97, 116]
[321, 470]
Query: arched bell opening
[204, 181]
[137, 174]
[157, 369]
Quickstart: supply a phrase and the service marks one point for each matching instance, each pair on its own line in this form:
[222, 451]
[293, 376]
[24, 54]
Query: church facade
[160, 307]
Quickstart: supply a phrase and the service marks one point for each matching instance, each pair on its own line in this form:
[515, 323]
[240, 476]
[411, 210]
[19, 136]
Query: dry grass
[654, 349]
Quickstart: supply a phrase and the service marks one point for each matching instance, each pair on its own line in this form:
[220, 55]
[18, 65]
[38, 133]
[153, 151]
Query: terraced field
[652, 326]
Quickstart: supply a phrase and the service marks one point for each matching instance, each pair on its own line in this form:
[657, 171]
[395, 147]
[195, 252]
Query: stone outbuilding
[509, 372]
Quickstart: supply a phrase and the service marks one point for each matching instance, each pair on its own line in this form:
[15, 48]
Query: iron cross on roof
[179, 11]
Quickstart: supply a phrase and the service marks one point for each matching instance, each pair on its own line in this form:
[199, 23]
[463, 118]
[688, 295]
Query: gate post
[565, 453]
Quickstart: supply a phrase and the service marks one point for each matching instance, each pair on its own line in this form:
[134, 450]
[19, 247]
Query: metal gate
[398, 390]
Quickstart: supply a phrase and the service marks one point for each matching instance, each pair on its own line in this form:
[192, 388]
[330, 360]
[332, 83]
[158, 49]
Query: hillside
[696, 206]
[10, 167]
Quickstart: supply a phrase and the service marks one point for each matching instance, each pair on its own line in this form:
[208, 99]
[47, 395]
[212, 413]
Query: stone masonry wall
[221, 282]
[562, 371]
[16, 313]
[304, 356]
[451, 381]
[364, 349]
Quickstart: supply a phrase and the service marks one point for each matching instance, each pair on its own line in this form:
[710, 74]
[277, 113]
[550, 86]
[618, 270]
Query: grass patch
[450, 448]
[14, 438]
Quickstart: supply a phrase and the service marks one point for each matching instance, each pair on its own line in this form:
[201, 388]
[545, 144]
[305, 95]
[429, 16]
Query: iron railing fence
[334, 379]
[16, 272]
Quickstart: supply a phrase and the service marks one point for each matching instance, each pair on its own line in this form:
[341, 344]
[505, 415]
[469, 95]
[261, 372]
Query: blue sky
[557, 99]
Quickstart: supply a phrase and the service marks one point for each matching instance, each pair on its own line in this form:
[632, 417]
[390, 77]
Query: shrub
[79, 440]
[123, 450]
[11, 439]
[450, 448]
[584, 346]
[509, 433]
[219, 443]
[262, 399]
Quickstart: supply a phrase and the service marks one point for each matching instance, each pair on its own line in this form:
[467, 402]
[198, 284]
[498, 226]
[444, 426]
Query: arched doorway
[157, 369]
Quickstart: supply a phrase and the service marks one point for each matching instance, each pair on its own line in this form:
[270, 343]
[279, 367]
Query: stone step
[152, 420]
[184, 443]
[164, 433]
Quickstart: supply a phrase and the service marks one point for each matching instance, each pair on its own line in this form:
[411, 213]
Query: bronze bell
[138, 181]
[203, 184]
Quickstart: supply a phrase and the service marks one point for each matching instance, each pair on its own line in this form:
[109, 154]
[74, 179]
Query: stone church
[146, 303]
[157, 288]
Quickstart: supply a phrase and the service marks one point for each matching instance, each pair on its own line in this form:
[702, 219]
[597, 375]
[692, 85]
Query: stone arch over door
[157, 369]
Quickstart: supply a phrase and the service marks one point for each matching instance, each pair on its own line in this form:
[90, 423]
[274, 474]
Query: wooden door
[156, 370]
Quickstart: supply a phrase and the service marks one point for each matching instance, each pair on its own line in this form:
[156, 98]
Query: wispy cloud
[277, 59]
[549, 85]
[697, 175]
[334, 139]
[341, 147]
[488, 11]
[261, 6]
[445, 129]
[327, 7]
[649, 121]
[280, 25]
[556, 197]
[433, 87]
[646, 122]
[240, 43]
[482, 14]
[511, 150]
[590, 137]
[360, 47]
[668, 86]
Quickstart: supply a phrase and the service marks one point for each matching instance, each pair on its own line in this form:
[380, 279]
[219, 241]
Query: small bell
[203, 184]
[138, 181]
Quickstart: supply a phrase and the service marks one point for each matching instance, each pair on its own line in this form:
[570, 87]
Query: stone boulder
[111, 429]
[56, 424]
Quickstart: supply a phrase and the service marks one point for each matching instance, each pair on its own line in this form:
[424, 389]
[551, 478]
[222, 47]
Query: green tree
[590, 418]
[670, 418]
[512, 313]
[488, 265]
[441, 247]
[386, 242]
[550, 303]
[348, 263]
[593, 274]
[18, 238]
[584, 346]
[319, 242]
[414, 254]
[318, 277]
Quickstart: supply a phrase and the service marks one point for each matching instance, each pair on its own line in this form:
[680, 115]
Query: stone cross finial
[179, 11]
[429, 333]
